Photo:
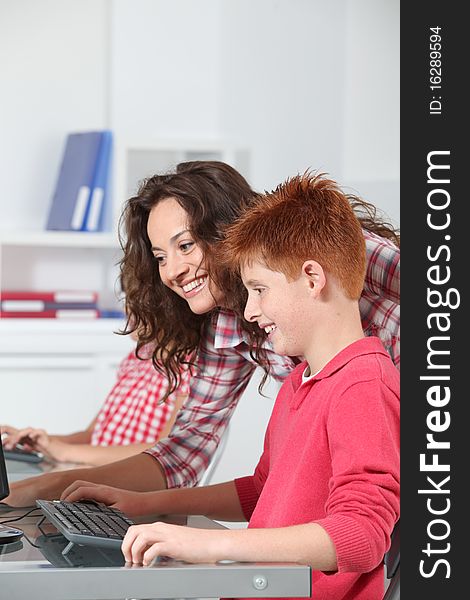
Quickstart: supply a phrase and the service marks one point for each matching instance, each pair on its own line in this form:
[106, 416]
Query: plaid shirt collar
[228, 331]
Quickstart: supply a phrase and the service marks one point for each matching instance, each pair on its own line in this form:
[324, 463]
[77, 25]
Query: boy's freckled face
[279, 306]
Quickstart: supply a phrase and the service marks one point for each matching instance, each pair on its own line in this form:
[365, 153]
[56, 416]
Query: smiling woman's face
[180, 260]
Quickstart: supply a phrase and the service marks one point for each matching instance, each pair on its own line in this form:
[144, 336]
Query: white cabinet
[55, 373]
[56, 260]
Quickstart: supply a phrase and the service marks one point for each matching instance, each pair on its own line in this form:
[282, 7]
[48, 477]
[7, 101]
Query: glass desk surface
[37, 566]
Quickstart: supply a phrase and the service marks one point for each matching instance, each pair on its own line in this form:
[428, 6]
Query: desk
[36, 568]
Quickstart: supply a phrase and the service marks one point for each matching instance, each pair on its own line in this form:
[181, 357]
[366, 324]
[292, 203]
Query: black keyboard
[53, 548]
[87, 523]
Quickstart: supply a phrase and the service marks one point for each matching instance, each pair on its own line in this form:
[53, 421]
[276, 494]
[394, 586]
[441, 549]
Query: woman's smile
[179, 258]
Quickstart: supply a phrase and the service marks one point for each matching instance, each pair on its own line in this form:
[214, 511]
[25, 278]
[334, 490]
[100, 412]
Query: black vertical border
[421, 133]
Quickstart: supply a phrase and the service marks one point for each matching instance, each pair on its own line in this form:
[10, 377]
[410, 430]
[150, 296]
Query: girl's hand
[37, 440]
[31, 438]
[6, 431]
[144, 543]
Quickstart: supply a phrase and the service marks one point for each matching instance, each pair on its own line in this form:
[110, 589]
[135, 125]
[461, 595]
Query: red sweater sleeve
[363, 503]
[247, 495]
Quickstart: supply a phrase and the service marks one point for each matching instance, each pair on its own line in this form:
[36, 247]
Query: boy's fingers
[150, 554]
[128, 541]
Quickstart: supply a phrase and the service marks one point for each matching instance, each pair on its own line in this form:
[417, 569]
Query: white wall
[315, 84]
[52, 81]
[371, 140]
[164, 68]
[282, 84]
[303, 83]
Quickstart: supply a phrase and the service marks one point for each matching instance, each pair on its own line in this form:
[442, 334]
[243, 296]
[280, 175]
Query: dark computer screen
[4, 489]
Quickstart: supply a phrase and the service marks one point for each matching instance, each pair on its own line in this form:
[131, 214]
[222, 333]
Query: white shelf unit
[55, 373]
[76, 239]
[136, 159]
[70, 260]
[54, 260]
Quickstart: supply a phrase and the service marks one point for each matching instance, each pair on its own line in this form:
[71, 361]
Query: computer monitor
[8, 534]
[4, 489]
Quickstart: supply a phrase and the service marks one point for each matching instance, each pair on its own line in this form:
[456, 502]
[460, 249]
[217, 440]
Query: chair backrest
[392, 566]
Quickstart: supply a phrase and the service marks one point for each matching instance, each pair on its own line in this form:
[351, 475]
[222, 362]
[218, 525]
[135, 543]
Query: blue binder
[79, 199]
[73, 189]
[96, 215]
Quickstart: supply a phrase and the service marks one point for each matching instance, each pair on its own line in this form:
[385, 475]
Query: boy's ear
[314, 276]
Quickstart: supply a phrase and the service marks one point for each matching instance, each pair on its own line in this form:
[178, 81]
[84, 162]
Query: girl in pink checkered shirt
[132, 418]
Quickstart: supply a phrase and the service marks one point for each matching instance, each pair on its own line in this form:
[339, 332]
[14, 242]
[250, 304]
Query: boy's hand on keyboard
[130, 503]
[143, 543]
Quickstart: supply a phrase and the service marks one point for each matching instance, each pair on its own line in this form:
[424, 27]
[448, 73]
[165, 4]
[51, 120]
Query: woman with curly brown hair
[180, 298]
